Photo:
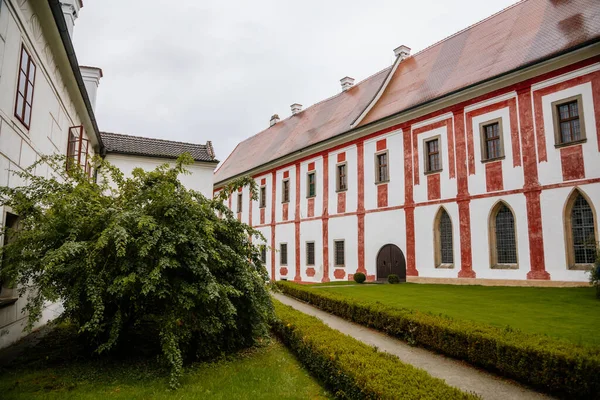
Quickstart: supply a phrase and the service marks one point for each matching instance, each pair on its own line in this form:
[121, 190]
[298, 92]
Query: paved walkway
[456, 373]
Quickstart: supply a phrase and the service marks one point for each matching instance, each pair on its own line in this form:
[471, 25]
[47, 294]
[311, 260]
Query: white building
[128, 152]
[476, 160]
[47, 107]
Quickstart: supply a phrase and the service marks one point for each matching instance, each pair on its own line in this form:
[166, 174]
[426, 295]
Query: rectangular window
[78, 149]
[311, 183]
[283, 254]
[25, 88]
[263, 254]
[263, 197]
[381, 168]
[492, 143]
[568, 120]
[432, 155]
[342, 178]
[310, 253]
[285, 196]
[240, 199]
[340, 259]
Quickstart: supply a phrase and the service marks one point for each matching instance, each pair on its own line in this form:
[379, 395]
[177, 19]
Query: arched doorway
[390, 260]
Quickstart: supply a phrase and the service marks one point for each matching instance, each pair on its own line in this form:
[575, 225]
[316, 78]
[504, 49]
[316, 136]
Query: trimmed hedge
[548, 364]
[351, 369]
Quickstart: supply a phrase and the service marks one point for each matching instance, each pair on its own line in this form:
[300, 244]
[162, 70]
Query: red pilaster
[325, 218]
[531, 187]
[464, 210]
[298, 277]
[273, 192]
[409, 203]
[360, 212]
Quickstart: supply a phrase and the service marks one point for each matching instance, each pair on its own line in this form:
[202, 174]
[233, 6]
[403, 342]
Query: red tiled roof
[316, 123]
[525, 33]
[522, 34]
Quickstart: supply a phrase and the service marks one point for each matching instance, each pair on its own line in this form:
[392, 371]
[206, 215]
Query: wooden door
[390, 260]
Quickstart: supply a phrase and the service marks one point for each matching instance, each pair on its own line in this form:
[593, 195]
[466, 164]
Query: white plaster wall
[553, 207]
[447, 185]
[279, 194]
[200, 179]
[318, 199]
[382, 228]
[395, 147]
[55, 108]
[512, 177]
[311, 231]
[551, 171]
[344, 228]
[480, 212]
[285, 233]
[352, 171]
[424, 241]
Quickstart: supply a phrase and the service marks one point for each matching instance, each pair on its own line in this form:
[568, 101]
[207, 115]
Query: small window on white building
[263, 197]
[339, 253]
[283, 255]
[492, 142]
[568, 121]
[240, 199]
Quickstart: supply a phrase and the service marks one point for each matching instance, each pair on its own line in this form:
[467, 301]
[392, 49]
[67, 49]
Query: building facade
[47, 107]
[474, 160]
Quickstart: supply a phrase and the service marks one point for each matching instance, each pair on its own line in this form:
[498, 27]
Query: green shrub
[143, 256]
[351, 369]
[549, 364]
[393, 278]
[359, 277]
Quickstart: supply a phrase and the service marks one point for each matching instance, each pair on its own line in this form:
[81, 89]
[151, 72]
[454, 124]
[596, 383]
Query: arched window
[444, 251]
[503, 238]
[580, 231]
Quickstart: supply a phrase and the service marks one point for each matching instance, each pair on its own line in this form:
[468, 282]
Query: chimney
[347, 83]
[70, 9]
[274, 119]
[91, 78]
[296, 108]
[402, 52]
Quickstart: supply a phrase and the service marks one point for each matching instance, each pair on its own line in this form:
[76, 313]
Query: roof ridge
[468, 27]
[147, 138]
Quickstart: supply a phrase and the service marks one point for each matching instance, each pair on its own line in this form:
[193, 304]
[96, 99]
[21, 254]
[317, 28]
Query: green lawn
[269, 372]
[569, 313]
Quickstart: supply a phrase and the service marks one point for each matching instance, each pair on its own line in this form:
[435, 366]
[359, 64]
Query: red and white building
[478, 157]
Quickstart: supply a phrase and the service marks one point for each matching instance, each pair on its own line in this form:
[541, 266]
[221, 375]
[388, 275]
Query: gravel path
[456, 373]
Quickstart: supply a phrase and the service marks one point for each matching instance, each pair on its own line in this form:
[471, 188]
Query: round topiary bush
[393, 278]
[359, 277]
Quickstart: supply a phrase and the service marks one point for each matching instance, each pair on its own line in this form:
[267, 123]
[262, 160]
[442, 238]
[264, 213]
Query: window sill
[311, 197]
[437, 171]
[489, 160]
[382, 182]
[581, 267]
[339, 266]
[505, 266]
[445, 266]
[7, 301]
[341, 190]
[573, 143]
[285, 202]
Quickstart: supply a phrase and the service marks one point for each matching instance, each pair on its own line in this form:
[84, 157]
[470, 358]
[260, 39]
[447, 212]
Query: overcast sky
[196, 70]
